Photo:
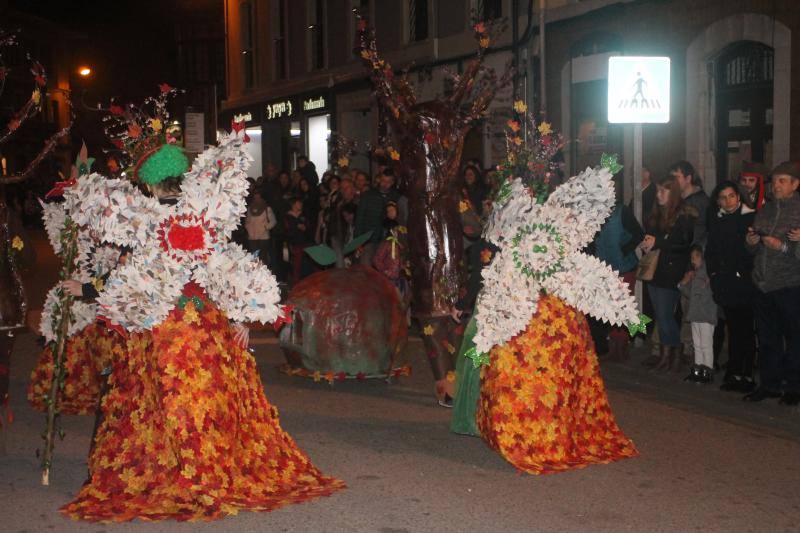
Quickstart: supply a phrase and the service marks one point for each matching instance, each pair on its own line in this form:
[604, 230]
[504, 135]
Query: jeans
[664, 304]
[778, 330]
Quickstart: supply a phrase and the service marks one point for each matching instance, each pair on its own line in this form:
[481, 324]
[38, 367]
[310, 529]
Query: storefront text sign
[312, 104]
[247, 117]
[638, 90]
[281, 109]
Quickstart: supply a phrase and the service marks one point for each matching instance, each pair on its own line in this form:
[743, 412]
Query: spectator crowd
[721, 273]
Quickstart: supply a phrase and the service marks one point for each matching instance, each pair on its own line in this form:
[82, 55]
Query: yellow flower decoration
[513, 125]
[451, 377]
[463, 206]
[520, 106]
[484, 42]
[156, 124]
[394, 154]
[517, 140]
[36, 97]
[343, 161]
[17, 243]
[545, 129]
[366, 54]
[428, 330]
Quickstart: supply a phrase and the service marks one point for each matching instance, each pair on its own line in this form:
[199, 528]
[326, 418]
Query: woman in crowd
[475, 188]
[616, 244]
[730, 267]
[310, 200]
[258, 223]
[670, 231]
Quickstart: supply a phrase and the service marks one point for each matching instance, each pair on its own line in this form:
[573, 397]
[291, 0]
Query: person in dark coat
[730, 269]
[670, 231]
[371, 212]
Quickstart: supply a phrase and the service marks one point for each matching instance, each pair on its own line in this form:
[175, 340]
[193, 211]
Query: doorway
[744, 88]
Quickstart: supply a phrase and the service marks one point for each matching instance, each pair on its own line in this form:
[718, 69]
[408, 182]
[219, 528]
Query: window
[316, 34]
[248, 51]
[489, 9]
[364, 7]
[417, 20]
[279, 38]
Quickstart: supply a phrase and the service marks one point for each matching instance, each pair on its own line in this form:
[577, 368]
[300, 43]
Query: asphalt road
[708, 462]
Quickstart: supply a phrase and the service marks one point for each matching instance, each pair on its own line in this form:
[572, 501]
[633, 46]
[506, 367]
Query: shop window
[417, 20]
[316, 33]
[248, 51]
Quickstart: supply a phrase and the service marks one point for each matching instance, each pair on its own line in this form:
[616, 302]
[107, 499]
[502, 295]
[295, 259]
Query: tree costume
[188, 433]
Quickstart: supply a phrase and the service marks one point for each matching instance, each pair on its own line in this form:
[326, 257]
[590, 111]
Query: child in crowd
[702, 314]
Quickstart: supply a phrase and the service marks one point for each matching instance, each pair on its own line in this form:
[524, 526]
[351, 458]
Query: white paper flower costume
[93, 260]
[540, 251]
[175, 244]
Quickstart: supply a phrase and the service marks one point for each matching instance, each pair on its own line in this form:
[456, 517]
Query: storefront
[281, 130]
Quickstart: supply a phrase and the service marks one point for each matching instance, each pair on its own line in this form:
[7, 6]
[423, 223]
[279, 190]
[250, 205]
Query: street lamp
[84, 71]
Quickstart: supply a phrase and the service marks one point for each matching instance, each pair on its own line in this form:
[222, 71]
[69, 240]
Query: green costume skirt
[468, 387]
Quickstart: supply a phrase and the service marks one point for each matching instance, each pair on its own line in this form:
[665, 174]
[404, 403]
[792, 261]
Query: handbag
[647, 265]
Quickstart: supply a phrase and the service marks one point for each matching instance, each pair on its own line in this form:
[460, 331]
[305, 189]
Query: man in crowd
[693, 195]
[648, 195]
[341, 228]
[776, 274]
[752, 181]
[361, 183]
[308, 170]
[371, 212]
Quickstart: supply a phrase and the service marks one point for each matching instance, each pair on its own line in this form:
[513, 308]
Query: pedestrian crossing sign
[638, 90]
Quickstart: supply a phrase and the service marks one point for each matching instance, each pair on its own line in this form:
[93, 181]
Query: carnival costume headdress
[540, 235]
[141, 133]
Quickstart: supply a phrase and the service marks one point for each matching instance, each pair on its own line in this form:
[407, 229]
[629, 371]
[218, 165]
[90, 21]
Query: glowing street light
[84, 71]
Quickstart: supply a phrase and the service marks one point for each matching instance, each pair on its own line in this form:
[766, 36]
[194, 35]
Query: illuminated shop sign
[243, 117]
[281, 109]
[312, 104]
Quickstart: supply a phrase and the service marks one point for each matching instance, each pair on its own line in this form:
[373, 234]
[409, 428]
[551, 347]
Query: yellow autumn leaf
[17, 243]
[520, 106]
[156, 124]
[428, 330]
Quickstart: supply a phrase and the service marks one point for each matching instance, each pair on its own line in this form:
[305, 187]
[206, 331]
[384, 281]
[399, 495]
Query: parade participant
[188, 433]
[542, 402]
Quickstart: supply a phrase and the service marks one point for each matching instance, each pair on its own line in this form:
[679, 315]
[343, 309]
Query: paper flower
[540, 251]
[83, 314]
[520, 107]
[173, 245]
[545, 129]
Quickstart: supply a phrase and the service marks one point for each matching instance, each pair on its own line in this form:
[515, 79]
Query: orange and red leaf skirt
[543, 404]
[188, 433]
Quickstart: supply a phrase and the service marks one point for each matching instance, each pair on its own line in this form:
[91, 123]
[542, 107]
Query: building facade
[292, 73]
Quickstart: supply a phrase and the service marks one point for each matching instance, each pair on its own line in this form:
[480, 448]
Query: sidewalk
[669, 388]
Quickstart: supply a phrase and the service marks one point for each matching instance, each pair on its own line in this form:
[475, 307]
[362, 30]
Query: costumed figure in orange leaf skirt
[188, 433]
[542, 403]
